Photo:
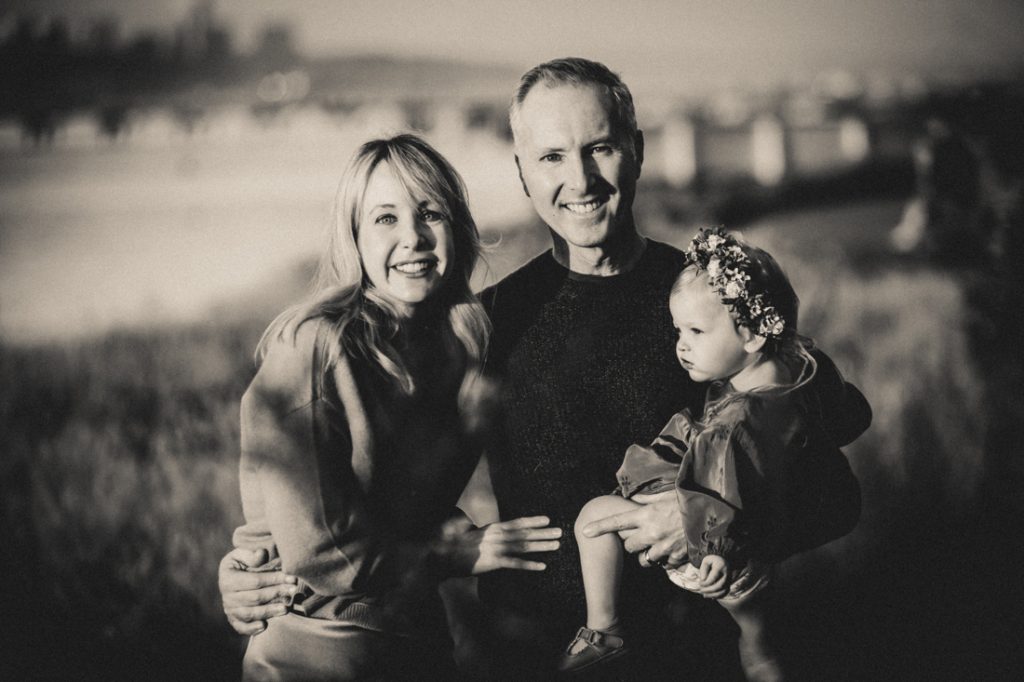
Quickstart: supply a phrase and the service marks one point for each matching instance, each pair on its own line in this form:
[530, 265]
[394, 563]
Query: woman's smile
[415, 268]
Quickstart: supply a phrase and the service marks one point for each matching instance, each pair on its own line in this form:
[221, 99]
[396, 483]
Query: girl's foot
[589, 648]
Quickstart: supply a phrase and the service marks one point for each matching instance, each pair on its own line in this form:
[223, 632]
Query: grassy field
[118, 483]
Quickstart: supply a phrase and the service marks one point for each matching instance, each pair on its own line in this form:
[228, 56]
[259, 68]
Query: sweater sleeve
[844, 411]
[825, 500]
[300, 448]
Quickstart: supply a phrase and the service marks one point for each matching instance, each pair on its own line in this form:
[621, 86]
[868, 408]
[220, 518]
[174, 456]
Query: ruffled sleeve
[653, 468]
[731, 496]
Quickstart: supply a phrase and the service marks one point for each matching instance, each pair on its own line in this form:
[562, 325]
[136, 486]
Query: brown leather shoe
[598, 647]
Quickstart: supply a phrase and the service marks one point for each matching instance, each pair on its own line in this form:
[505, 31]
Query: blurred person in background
[582, 346]
[357, 437]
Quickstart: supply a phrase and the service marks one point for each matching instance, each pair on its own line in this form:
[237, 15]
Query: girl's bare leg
[601, 562]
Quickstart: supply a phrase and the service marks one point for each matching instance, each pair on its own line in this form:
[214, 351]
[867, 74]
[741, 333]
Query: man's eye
[385, 219]
[551, 158]
[602, 150]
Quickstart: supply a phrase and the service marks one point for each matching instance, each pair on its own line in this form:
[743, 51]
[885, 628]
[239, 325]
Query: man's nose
[580, 169]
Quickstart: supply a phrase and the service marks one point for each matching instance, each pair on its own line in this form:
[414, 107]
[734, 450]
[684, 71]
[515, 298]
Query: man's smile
[585, 207]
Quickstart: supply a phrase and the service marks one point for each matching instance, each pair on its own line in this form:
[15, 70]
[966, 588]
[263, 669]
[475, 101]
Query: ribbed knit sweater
[588, 368]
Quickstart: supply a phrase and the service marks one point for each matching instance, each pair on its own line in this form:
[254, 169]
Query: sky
[725, 41]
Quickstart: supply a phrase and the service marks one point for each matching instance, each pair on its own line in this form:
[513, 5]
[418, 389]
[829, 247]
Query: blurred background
[166, 175]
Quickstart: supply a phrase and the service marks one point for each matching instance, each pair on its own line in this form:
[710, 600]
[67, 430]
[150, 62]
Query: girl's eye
[385, 219]
[694, 330]
[431, 216]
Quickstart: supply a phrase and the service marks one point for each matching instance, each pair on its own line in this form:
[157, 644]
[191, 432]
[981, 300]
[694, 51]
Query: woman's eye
[431, 216]
[385, 219]
[694, 330]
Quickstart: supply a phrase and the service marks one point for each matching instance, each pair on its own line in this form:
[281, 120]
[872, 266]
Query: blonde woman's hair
[362, 323]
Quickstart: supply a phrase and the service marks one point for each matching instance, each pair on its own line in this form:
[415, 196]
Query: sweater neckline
[603, 280]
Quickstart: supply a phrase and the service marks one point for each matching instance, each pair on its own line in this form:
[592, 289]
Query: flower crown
[721, 256]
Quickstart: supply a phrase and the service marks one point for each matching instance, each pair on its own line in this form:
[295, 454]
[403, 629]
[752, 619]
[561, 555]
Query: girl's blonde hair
[362, 322]
[768, 278]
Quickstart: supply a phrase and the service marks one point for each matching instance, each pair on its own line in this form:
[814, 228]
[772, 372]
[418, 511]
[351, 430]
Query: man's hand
[471, 551]
[656, 527]
[251, 597]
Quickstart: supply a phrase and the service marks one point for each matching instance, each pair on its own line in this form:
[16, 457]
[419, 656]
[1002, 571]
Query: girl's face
[405, 242]
[710, 346]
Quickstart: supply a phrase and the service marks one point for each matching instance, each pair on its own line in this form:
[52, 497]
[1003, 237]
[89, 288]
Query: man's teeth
[583, 207]
[414, 267]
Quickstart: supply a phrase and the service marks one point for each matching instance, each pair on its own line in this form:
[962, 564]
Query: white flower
[713, 241]
[733, 289]
[778, 327]
[714, 267]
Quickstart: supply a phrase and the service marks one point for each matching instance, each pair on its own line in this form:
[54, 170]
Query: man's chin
[585, 236]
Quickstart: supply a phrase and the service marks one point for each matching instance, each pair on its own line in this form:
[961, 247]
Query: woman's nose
[415, 233]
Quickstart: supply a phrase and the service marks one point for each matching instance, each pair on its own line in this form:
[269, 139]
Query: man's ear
[638, 145]
[519, 168]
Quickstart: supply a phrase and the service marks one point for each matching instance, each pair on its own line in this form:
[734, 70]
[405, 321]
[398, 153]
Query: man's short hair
[578, 71]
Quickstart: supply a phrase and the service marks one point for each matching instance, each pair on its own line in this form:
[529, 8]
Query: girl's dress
[346, 479]
[736, 474]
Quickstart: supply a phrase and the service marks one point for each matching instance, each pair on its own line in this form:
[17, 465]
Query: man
[583, 345]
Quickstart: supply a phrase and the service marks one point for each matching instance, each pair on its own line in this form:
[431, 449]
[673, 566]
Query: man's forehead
[549, 110]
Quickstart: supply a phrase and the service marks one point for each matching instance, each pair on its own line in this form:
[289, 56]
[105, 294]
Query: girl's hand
[714, 577]
[469, 550]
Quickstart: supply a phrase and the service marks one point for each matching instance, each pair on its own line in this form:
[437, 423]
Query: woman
[356, 441]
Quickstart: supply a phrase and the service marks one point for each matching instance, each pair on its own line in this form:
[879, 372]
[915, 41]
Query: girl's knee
[599, 508]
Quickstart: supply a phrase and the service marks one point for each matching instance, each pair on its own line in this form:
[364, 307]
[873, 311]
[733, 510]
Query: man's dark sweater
[588, 368]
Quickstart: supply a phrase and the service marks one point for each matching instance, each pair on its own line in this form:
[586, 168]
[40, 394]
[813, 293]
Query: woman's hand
[469, 550]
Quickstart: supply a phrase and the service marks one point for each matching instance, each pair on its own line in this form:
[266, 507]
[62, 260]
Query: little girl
[736, 316]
